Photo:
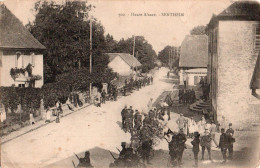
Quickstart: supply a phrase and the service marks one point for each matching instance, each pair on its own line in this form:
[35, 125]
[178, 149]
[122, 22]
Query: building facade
[233, 50]
[122, 63]
[18, 49]
[193, 60]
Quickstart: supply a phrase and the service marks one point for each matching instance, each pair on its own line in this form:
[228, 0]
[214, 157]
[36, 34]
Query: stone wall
[236, 61]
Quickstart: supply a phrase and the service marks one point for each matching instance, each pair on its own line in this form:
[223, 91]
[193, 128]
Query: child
[196, 149]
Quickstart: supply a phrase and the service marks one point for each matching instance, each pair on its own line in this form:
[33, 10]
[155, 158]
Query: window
[19, 60]
[256, 37]
[21, 85]
[32, 58]
[196, 80]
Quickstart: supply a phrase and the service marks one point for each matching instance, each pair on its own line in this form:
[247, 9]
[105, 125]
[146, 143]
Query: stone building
[234, 43]
[193, 59]
[18, 48]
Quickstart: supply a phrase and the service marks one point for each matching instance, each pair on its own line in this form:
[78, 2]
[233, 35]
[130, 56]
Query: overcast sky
[158, 30]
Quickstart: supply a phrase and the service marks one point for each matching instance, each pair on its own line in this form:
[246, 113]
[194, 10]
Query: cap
[123, 143]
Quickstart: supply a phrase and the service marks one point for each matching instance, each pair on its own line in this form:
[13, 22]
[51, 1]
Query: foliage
[163, 55]
[14, 72]
[67, 37]
[29, 98]
[143, 51]
[198, 30]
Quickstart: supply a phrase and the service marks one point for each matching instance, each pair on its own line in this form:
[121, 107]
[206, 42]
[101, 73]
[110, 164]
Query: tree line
[66, 35]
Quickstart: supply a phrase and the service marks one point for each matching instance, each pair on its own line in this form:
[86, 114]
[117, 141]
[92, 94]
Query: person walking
[123, 114]
[195, 149]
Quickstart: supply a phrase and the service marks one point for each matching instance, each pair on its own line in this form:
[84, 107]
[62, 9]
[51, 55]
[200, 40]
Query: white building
[193, 59]
[122, 63]
[18, 48]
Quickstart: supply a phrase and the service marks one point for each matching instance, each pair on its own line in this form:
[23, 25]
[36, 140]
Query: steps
[200, 107]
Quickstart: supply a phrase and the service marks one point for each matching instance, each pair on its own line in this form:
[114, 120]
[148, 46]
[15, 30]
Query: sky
[158, 30]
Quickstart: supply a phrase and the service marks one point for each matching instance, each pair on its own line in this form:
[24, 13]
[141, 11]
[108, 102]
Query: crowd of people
[187, 96]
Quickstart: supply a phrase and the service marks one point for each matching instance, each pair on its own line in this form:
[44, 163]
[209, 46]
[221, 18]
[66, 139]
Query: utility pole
[90, 46]
[134, 47]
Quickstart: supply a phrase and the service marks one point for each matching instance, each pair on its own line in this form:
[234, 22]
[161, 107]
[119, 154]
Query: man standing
[231, 140]
[123, 114]
[103, 95]
[151, 80]
[172, 149]
[181, 121]
[212, 131]
[223, 144]
[181, 146]
[206, 143]
[138, 120]
[196, 143]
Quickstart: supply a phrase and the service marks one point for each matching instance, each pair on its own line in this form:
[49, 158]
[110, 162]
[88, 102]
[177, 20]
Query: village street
[88, 128]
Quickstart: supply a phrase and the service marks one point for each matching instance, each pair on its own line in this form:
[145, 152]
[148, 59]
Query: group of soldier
[137, 84]
[187, 96]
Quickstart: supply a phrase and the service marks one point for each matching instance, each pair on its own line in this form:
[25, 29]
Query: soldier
[146, 120]
[138, 120]
[223, 144]
[180, 96]
[206, 143]
[124, 114]
[193, 95]
[173, 145]
[151, 80]
[146, 149]
[196, 148]
[85, 162]
[231, 140]
[103, 95]
[181, 145]
[124, 90]
[123, 151]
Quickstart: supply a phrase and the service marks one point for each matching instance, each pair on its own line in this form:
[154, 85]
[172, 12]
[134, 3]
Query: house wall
[120, 66]
[235, 63]
[9, 61]
[201, 72]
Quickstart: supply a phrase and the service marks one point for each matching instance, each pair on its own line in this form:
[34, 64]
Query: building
[18, 48]
[122, 63]
[234, 43]
[193, 59]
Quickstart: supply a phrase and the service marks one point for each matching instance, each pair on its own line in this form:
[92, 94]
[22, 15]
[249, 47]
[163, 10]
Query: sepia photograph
[129, 83]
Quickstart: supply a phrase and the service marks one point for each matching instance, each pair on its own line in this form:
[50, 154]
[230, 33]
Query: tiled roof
[242, 8]
[13, 34]
[194, 52]
[129, 59]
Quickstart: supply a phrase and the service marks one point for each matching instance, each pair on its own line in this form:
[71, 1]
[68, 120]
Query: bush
[29, 98]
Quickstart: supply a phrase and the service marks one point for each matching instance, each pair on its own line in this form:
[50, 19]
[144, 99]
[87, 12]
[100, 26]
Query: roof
[129, 59]
[194, 52]
[240, 10]
[255, 81]
[13, 33]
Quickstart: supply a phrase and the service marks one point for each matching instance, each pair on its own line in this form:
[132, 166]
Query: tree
[163, 55]
[66, 37]
[198, 30]
[143, 51]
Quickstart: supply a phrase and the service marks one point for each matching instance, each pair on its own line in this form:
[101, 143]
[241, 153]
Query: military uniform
[223, 145]
[206, 143]
[173, 145]
[231, 140]
[195, 148]
[181, 146]
[123, 114]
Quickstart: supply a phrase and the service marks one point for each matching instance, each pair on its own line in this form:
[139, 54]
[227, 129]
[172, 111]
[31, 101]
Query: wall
[8, 62]
[200, 72]
[236, 60]
[120, 66]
